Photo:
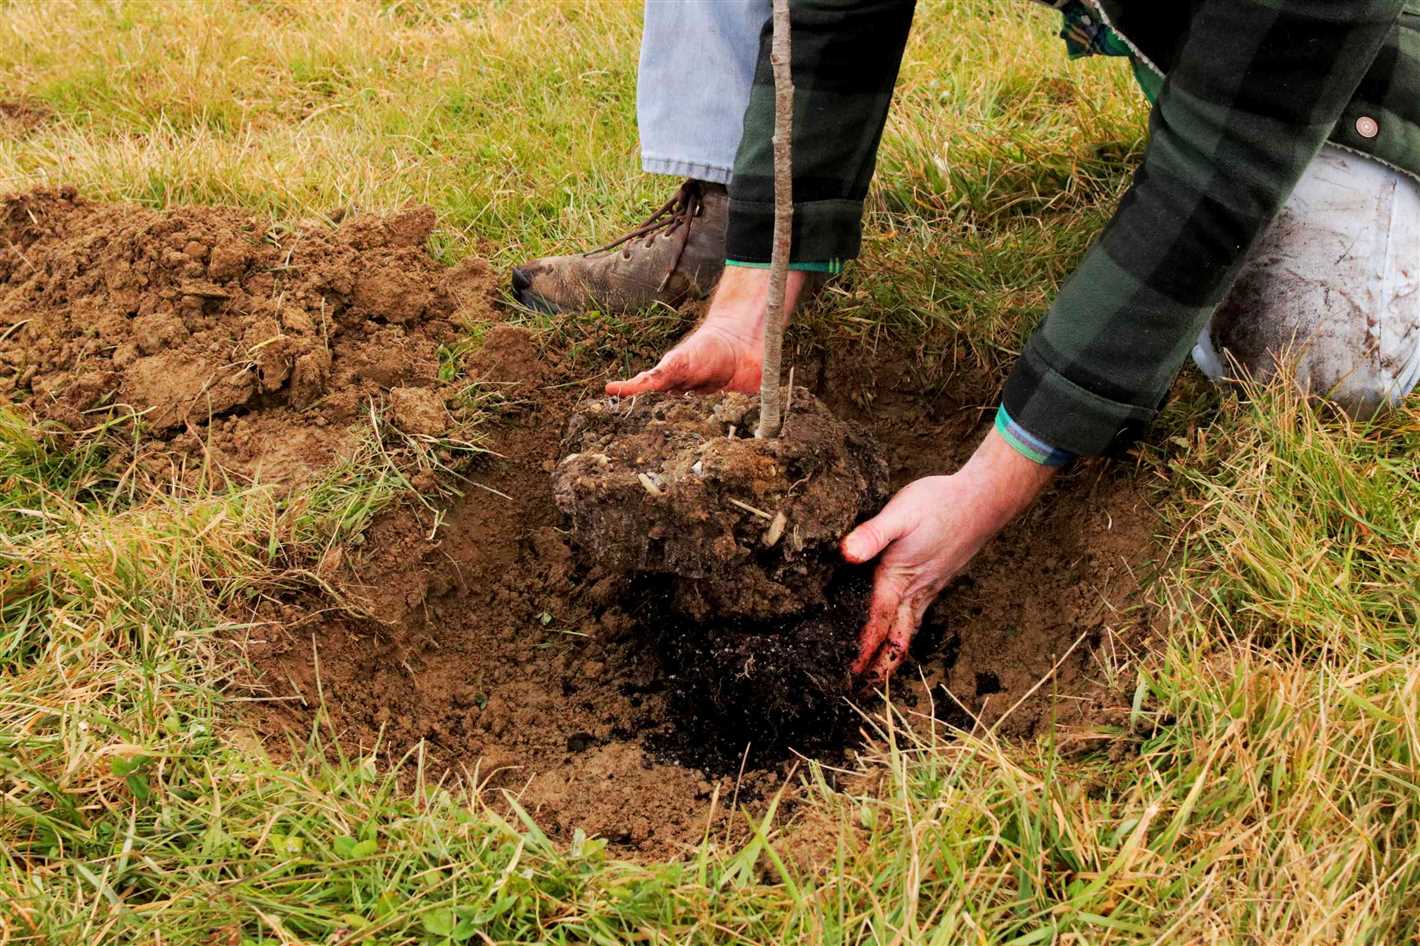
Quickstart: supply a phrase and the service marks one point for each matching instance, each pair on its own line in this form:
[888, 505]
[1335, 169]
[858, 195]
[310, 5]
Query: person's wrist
[740, 285]
[742, 322]
[750, 285]
[1004, 482]
[739, 305]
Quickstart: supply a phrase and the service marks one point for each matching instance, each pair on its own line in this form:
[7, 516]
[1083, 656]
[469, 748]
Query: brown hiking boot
[678, 253]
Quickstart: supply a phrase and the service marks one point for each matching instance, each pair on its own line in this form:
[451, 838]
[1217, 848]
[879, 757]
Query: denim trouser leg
[697, 65]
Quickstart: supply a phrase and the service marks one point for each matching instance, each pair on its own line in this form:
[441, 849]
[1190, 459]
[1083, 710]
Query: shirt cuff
[1063, 413]
[833, 266]
[1028, 444]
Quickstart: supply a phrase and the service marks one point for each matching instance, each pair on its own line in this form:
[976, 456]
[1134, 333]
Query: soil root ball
[734, 545]
[679, 486]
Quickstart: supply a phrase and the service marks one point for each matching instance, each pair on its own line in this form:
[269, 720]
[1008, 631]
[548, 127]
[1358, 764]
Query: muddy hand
[925, 536]
[725, 351]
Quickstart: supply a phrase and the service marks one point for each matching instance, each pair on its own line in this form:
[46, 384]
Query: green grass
[1264, 787]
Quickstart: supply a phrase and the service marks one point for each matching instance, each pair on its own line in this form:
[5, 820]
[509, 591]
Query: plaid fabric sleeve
[1256, 88]
[1086, 34]
[845, 56]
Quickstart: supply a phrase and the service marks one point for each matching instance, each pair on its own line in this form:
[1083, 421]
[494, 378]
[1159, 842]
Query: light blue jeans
[697, 65]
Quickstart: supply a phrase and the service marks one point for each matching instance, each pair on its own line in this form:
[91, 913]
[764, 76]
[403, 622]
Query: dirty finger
[895, 647]
[880, 616]
[658, 378]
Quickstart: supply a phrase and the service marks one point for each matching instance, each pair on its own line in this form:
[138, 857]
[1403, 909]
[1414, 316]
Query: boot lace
[673, 217]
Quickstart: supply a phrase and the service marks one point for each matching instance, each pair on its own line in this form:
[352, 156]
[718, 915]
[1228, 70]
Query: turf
[1262, 788]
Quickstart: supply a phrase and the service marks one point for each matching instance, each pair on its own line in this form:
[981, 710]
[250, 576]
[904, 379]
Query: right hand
[725, 352]
[926, 535]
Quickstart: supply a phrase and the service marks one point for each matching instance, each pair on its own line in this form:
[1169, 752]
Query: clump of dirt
[19, 117]
[742, 527]
[738, 537]
[255, 351]
[508, 358]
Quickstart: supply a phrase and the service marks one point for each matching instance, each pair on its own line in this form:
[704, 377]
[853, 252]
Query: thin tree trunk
[770, 394]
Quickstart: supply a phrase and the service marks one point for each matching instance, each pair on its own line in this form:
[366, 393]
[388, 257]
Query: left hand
[926, 535]
[725, 350]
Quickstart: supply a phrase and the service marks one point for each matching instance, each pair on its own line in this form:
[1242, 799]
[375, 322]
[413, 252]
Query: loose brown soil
[236, 350]
[19, 117]
[476, 643]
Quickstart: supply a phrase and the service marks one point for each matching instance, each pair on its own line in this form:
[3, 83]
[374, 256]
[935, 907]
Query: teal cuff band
[829, 266]
[1027, 444]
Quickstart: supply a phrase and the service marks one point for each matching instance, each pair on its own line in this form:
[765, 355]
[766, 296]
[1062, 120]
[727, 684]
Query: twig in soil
[770, 394]
[14, 328]
[752, 510]
[484, 486]
[788, 399]
[21, 254]
[650, 485]
[710, 817]
[321, 712]
[299, 695]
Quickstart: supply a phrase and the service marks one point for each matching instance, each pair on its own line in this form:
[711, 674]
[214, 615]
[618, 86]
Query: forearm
[1257, 88]
[846, 55]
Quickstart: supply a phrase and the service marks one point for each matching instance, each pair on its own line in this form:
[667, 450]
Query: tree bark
[770, 393]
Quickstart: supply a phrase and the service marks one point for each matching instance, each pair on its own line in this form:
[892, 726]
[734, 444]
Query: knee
[1327, 295]
[1359, 388]
[1349, 348]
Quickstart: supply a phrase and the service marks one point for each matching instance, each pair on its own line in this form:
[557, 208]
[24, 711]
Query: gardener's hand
[725, 351]
[926, 535]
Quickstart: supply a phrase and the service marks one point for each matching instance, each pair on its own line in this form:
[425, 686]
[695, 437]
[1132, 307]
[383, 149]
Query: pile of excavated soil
[734, 542]
[236, 348]
[477, 642]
